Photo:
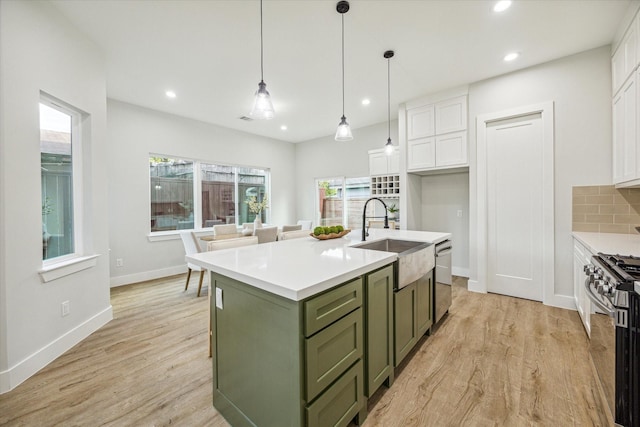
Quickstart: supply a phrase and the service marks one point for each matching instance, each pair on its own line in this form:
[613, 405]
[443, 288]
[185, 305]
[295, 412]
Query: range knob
[599, 284]
[589, 269]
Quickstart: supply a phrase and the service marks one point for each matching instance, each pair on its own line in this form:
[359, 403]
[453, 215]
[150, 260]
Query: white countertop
[610, 243]
[299, 268]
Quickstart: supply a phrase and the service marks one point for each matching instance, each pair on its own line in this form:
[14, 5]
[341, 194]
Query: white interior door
[515, 216]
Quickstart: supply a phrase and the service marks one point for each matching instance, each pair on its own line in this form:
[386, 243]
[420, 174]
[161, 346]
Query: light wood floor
[494, 361]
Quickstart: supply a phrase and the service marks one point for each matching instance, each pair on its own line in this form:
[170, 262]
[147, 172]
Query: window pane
[251, 183]
[171, 193]
[357, 192]
[218, 195]
[330, 202]
[56, 174]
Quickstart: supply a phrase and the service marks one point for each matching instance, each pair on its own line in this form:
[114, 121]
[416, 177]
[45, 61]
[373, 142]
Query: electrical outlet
[119, 262]
[66, 309]
[459, 213]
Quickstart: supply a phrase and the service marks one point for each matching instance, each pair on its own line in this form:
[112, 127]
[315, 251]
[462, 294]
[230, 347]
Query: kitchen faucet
[365, 233]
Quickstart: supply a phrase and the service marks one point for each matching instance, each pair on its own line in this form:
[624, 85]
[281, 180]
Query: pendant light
[344, 131]
[262, 107]
[388, 147]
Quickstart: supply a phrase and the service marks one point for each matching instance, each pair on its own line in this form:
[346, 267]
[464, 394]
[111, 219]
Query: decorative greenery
[46, 206]
[328, 191]
[255, 206]
[392, 208]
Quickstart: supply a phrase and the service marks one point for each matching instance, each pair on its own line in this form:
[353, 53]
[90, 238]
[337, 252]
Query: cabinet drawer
[326, 308]
[340, 403]
[331, 351]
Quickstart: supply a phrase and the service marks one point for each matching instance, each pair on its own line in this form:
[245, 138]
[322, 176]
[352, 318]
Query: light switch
[219, 298]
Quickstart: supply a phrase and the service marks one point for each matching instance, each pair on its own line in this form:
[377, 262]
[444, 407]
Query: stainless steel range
[613, 285]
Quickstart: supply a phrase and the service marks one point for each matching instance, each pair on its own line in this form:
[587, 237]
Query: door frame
[546, 111]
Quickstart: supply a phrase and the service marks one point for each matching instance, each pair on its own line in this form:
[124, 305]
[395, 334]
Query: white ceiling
[208, 52]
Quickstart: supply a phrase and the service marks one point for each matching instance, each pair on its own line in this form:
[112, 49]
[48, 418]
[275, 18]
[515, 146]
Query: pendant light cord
[261, 47]
[389, 95]
[342, 65]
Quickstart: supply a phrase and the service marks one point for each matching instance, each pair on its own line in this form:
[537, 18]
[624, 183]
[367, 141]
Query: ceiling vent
[245, 118]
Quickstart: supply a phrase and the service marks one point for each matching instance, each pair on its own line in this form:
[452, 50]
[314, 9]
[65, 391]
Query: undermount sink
[415, 259]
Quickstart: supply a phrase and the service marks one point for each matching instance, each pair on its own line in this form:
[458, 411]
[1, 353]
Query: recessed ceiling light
[502, 5]
[170, 94]
[283, 127]
[511, 56]
[366, 101]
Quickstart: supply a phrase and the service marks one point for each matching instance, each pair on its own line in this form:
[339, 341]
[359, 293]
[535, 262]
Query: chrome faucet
[365, 232]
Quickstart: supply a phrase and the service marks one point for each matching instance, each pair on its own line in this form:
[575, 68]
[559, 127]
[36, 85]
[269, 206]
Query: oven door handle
[609, 311]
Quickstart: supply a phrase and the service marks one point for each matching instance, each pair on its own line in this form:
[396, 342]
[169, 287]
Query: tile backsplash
[605, 209]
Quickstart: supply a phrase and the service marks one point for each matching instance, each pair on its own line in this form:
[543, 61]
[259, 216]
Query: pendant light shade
[388, 147]
[344, 131]
[262, 106]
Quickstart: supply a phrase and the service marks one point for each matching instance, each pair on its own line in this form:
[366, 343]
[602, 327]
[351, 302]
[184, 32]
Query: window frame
[197, 197]
[77, 117]
[345, 210]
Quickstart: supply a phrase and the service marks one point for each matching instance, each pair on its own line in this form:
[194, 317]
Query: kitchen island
[302, 329]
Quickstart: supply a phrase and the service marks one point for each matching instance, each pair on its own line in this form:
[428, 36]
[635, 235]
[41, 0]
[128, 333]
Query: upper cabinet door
[378, 163]
[451, 115]
[420, 122]
[421, 154]
[626, 58]
[451, 149]
[394, 161]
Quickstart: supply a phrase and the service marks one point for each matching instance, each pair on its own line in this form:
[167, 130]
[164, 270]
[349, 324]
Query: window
[341, 200]
[60, 172]
[171, 193]
[223, 190]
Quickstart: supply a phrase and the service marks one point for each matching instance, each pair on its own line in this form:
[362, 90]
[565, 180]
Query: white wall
[41, 51]
[135, 132]
[580, 87]
[325, 157]
[442, 197]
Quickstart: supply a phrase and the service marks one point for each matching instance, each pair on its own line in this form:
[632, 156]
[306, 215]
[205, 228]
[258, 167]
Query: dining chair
[191, 246]
[305, 223]
[224, 229]
[295, 234]
[266, 234]
[216, 245]
[286, 228]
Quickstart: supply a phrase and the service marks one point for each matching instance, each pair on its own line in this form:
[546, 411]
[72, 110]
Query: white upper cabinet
[420, 122]
[625, 60]
[436, 135]
[451, 149]
[625, 111]
[382, 164]
[421, 153]
[451, 115]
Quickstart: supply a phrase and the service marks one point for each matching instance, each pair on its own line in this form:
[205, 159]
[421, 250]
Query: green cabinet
[379, 329]
[413, 315]
[278, 362]
[406, 334]
[424, 309]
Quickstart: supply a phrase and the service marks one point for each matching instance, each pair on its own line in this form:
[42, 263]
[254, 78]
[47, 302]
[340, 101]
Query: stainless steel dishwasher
[442, 290]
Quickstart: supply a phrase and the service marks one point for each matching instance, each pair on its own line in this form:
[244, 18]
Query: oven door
[602, 345]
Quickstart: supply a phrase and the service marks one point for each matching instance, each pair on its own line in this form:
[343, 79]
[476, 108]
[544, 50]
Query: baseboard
[475, 286]
[18, 373]
[146, 275]
[459, 271]
[561, 301]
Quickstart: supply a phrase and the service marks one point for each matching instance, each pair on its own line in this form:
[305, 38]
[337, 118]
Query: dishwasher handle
[444, 251]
